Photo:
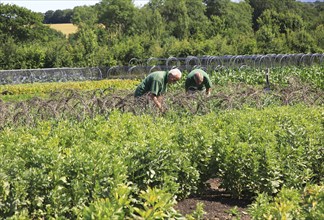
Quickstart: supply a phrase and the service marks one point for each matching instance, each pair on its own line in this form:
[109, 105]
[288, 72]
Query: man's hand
[208, 91]
[157, 101]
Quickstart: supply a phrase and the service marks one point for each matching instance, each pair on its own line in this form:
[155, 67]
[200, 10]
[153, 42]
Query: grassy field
[66, 29]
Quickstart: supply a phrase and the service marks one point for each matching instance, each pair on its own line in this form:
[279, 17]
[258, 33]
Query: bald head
[199, 78]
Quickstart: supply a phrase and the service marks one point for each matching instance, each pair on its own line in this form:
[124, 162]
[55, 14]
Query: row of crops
[88, 150]
[79, 105]
[140, 67]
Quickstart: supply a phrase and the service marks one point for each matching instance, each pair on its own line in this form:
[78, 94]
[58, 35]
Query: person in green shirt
[198, 80]
[155, 85]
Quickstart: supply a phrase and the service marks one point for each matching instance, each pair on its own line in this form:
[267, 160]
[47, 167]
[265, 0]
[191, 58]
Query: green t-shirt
[155, 83]
[191, 83]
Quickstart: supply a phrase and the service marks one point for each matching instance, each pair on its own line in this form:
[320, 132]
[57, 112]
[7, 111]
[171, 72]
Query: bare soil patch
[218, 204]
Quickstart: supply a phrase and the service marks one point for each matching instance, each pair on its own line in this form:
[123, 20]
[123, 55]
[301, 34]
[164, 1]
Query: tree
[84, 47]
[289, 21]
[67, 16]
[8, 54]
[24, 25]
[175, 14]
[18, 22]
[58, 16]
[318, 35]
[58, 55]
[117, 16]
[238, 17]
[84, 15]
[301, 42]
[216, 7]
[151, 22]
[48, 17]
[259, 6]
[198, 21]
[269, 38]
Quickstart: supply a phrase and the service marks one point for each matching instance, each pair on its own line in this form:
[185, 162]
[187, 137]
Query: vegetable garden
[88, 150]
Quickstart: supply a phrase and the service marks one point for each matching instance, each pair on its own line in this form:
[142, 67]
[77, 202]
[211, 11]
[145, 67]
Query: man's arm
[157, 101]
[208, 91]
[208, 85]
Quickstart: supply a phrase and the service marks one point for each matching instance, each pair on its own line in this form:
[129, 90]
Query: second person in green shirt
[198, 80]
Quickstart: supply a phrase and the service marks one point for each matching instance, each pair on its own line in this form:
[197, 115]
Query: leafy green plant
[307, 203]
[55, 169]
[155, 204]
[198, 213]
[117, 206]
[235, 213]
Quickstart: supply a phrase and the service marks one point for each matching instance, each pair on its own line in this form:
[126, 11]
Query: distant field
[64, 28]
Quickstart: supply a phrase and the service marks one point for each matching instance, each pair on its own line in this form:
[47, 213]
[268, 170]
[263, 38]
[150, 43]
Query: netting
[141, 67]
[49, 75]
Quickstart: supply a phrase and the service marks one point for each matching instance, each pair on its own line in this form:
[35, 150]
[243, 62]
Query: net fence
[141, 67]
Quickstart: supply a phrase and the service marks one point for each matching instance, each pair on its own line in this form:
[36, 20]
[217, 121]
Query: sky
[46, 5]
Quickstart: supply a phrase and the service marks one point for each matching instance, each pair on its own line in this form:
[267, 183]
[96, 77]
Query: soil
[217, 204]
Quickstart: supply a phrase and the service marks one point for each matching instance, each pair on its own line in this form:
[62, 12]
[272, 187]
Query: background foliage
[112, 32]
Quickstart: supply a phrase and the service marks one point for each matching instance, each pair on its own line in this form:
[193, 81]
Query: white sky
[46, 5]
[43, 5]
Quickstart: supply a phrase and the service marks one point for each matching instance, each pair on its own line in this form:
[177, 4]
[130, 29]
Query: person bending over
[198, 80]
[155, 85]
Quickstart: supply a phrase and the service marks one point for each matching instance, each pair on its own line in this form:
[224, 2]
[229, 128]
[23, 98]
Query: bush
[307, 203]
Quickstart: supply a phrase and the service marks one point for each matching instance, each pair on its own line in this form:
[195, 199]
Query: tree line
[112, 32]
[58, 16]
